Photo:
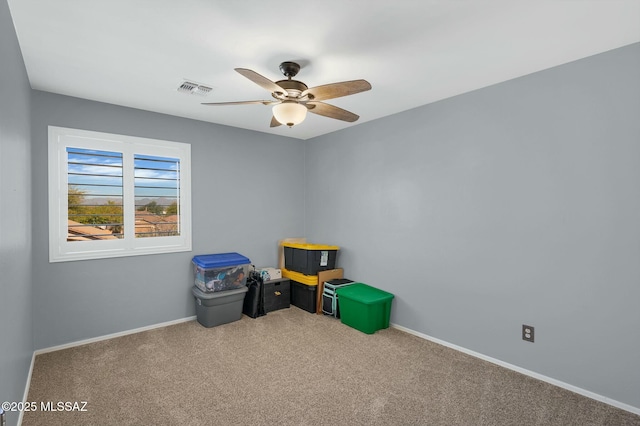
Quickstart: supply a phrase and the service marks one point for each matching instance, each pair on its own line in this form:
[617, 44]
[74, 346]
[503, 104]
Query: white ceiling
[136, 53]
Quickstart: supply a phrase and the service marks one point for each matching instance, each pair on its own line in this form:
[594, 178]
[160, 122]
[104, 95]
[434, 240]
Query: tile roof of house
[82, 232]
[147, 222]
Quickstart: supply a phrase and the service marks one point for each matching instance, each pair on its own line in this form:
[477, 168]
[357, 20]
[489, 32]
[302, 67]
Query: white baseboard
[580, 391]
[26, 388]
[112, 336]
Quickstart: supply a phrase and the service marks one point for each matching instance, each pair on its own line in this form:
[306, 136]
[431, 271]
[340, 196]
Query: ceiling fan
[292, 98]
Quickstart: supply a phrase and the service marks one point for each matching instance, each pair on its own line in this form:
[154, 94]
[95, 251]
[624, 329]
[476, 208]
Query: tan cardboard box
[323, 276]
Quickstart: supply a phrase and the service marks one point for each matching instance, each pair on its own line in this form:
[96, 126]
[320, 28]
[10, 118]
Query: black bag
[254, 300]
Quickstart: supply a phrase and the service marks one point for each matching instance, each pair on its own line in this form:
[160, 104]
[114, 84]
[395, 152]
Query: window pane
[157, 196]
[94, 194]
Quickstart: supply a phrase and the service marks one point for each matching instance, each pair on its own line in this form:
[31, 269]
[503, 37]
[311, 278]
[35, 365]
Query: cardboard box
[322, 277]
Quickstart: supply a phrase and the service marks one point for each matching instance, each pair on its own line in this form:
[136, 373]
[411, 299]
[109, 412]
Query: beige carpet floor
[295, 368]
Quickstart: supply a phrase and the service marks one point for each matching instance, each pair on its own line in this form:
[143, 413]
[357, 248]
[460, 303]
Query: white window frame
[61, 250]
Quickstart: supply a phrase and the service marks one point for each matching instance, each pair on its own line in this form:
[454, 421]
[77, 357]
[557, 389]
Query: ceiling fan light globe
[290, 113]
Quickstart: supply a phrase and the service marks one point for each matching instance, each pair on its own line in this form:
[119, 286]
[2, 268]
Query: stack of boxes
[358, 305]
[220, 287]
[302, 262]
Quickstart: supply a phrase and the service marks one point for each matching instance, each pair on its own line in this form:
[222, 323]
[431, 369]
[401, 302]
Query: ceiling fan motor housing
[293, 87]
[289, 69]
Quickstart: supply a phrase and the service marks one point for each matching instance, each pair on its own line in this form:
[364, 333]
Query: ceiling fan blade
[331, 111]
[274, 122]
[243, 103]
[261, 81]
[336, 90]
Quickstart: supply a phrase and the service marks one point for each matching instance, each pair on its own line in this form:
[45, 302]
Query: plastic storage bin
[304, 290]
[364, 308]
[309, 259]
[220, 272]
[218, 308]
[277, 294]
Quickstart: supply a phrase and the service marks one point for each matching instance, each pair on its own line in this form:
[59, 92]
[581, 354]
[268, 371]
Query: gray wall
[513, 204]
[239, 204]
[16, 337]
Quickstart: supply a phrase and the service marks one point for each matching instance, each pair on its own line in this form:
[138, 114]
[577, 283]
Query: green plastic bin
[364, 308]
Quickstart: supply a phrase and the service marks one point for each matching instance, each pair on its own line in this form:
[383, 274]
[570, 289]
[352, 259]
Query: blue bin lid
[210, 261]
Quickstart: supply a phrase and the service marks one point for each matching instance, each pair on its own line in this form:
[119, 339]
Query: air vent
[202, 90]
[187, 87]
[192, 88]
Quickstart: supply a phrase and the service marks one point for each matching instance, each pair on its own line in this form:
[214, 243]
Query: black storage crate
[304, 296]
[309, 259]
[277, 294]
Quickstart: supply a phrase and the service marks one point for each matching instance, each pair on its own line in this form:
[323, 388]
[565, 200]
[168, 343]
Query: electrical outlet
[527, 333]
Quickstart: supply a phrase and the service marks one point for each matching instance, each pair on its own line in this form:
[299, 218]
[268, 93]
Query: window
[114, 195]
